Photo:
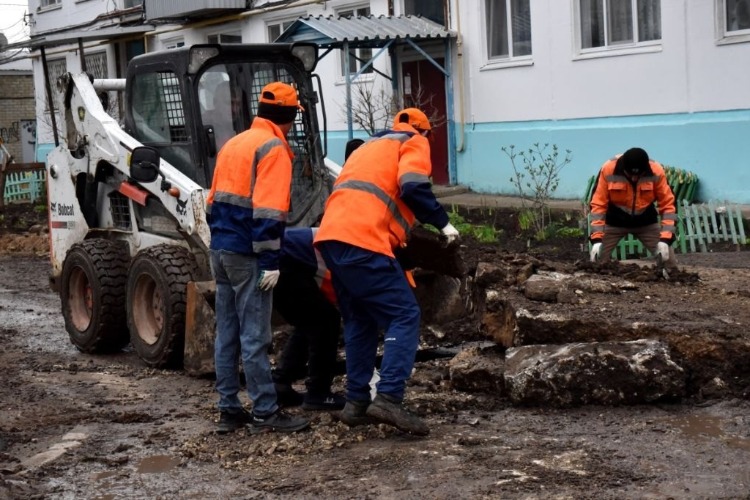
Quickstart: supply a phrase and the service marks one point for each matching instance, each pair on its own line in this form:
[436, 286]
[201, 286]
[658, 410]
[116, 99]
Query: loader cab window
[159, 119]
[228, 97]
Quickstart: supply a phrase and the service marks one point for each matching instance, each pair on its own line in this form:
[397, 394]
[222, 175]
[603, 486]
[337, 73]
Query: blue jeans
[373, 294]
[243, 327]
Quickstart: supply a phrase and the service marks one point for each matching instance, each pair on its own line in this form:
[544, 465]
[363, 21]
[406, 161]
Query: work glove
[596, 250]
[268, 279]
[662, 249]
[450, 233]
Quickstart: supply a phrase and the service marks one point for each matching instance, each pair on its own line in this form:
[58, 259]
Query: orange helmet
[413, 117]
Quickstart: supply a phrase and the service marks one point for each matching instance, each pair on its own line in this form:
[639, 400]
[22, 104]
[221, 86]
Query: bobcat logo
[181, 207]
[52, 207]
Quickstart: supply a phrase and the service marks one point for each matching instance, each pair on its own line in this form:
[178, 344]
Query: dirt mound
[24, 229]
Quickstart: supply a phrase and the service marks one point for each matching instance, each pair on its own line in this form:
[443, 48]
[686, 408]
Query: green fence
[25, 184]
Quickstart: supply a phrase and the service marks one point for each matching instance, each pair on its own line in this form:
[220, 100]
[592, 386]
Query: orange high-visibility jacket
[249, 198]
[618, 202]
[367, 208]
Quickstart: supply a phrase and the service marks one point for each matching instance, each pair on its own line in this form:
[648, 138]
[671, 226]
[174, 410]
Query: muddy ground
[83, 426]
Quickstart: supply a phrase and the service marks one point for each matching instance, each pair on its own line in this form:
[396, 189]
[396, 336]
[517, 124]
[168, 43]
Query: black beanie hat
[277, 114]
[634, 161]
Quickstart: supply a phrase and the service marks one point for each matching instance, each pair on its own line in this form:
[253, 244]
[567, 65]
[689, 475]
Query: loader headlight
[308, 54]
[199, 55]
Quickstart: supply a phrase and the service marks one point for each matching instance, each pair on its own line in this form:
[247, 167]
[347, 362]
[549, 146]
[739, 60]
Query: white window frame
[617, 49]
[49, 4]
[511, 60]
[370, 74]
[281, 24]
[174, 43]
[220, 34]
[723, 35]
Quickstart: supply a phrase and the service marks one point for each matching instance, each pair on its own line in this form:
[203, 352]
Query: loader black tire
[156, 298]
[92, 295]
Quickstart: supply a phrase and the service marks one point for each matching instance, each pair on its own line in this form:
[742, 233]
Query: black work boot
[277, 422]
[354, 414]
[230, 421]
[389, 410]
[323, 402]
[286, 396]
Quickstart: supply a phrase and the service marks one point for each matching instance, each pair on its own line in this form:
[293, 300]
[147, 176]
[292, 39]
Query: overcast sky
[11, 20]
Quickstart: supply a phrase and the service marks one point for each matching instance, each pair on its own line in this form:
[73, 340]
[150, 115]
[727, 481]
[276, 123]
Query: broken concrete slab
[707, 346]
[607, 373]
[478, 369]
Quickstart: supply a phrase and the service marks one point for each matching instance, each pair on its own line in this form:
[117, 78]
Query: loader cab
[188, 102]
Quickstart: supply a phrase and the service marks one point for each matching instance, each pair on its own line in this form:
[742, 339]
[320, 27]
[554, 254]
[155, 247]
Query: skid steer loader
[128, 232]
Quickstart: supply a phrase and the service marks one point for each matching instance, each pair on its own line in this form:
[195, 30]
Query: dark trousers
[311, 349]
[373, 294]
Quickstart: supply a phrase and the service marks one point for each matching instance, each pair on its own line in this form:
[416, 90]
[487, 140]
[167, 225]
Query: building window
[737, 17]
[49, 3]
[276, 29]
[174, 43]
[132, 3]
[508, 28]
[431, 9]
[617, 23]
[357, 57]
[96, 64]
[225, 38]
[55, 69]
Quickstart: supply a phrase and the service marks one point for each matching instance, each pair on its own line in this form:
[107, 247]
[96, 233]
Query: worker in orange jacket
[382, 190]
[248, 205]
[630, 196]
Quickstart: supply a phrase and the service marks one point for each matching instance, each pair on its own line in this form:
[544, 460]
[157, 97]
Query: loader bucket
[200, 328]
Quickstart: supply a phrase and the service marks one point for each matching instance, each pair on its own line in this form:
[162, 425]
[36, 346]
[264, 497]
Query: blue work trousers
[243, 328]
[373, 294]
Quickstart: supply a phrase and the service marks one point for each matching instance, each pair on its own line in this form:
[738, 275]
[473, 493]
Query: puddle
[701, 427]
[157, 464]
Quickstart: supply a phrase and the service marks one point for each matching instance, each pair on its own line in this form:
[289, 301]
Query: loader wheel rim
[81, 299]
[148, 307]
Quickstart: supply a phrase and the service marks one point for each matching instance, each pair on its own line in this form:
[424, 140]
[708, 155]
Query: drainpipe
[460, 81]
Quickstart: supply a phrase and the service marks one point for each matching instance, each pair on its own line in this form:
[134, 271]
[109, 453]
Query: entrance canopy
[375, 32]
[362, 31]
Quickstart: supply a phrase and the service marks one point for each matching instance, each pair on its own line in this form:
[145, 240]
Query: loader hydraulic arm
[93, 137]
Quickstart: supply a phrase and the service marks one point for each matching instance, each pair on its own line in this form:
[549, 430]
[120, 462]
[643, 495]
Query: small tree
[536, 180]
[373, 109]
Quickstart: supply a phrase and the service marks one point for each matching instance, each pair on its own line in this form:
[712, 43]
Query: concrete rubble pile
[564, 338]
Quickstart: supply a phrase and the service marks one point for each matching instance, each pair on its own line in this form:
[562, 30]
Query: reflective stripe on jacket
[298, 255]
[619, 202]
[250, 192]
[379, 191]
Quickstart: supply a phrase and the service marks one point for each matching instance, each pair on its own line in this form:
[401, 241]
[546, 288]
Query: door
[424, 88]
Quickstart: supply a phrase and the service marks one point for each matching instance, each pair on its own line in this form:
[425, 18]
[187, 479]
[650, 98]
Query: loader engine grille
[120, 209]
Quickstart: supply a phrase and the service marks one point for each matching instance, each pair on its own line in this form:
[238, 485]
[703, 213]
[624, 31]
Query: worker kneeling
[383, 189]
[631, 193]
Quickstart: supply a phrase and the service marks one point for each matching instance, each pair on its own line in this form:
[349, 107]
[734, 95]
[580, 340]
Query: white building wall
[687, 71]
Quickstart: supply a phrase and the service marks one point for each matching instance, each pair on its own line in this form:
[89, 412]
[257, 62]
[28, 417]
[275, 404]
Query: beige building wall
[16, 107]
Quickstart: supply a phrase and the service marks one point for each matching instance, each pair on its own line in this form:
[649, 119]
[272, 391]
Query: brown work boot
[389, 410]
[354, 414]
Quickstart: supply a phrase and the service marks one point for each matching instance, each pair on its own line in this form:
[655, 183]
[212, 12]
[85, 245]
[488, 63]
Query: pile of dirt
[24, 229]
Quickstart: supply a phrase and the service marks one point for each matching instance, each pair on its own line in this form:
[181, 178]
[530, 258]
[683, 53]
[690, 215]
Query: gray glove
[450, 233]
[268, 280]
[663, 250]
[596, 250]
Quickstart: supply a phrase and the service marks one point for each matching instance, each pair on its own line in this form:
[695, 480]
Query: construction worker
[304, 297]
[631, 193]
[383, 188]
[248, 205]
